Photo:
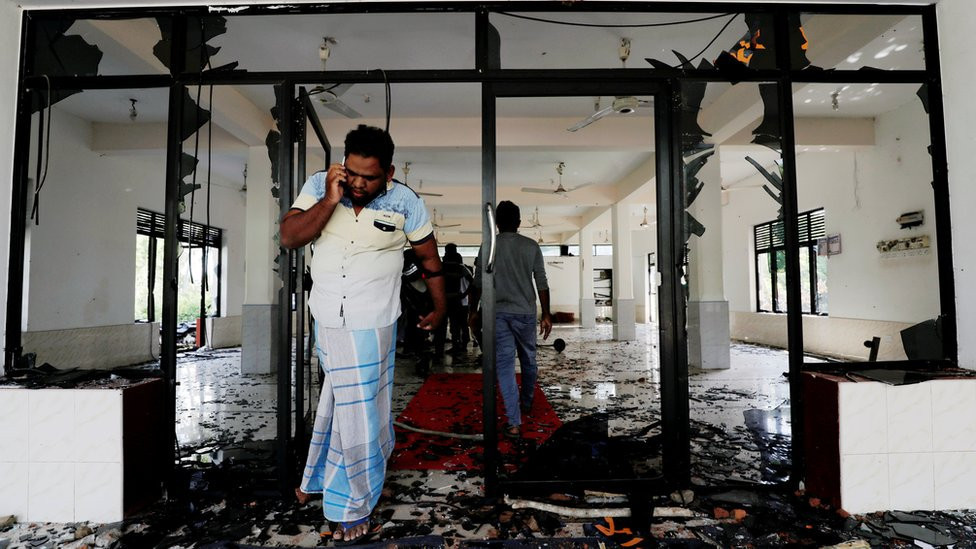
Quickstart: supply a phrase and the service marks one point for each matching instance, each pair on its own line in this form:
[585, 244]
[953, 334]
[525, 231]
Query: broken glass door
[582, 169]
[735, 283]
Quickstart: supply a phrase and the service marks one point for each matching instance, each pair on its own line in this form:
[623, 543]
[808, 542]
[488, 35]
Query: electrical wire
[607, 26]
[40, 150]
[36, 209]
[386, 86]
[720, 31]
[206, 252]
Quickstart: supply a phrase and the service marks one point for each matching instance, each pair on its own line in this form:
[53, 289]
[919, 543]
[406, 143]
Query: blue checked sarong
[353, 433]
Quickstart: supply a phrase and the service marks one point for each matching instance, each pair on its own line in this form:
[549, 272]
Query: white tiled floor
[592, 374]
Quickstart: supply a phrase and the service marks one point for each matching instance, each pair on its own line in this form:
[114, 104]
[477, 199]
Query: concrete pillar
[624, 326]
[260, 310]
[708, 310]
[587, 304]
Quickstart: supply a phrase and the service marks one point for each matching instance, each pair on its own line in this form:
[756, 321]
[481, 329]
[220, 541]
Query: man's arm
[542, 285]
[299, 227]
[545, 323]
[431, 262]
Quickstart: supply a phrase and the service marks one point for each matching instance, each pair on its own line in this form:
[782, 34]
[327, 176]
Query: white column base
[708, 335]
[624, 326]
[260, 339]
[587, 313]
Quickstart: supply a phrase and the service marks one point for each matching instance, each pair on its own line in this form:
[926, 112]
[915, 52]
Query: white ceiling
[602, 154]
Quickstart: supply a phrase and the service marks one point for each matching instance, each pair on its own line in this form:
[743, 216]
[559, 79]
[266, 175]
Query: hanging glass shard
[199, 30]
[58, 54]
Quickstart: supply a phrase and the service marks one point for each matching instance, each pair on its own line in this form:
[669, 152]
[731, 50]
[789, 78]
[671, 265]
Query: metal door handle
[490, 265]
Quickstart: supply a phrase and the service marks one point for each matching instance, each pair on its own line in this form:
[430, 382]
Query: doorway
[630, 441]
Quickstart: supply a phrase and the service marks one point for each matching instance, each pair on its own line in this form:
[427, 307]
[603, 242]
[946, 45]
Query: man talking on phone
[359, 219]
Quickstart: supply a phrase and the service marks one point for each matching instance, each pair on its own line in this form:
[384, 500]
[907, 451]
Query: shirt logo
[384, 226]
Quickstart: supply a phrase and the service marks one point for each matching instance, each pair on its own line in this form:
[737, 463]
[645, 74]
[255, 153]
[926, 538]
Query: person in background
[457, 283]
[518, 263]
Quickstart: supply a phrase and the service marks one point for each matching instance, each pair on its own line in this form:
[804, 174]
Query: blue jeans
[515, 334]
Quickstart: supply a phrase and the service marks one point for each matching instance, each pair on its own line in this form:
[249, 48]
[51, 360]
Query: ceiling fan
[406, 172]
[559, 190]
[438, 226]
[330, 98]
[534, 222]
[622, 104]
[330, 93]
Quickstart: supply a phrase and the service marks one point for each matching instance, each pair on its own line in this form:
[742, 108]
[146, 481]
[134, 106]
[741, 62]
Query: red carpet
[452, 403]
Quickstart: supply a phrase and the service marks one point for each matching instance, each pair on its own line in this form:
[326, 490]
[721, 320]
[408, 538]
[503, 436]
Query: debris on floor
[606, 393]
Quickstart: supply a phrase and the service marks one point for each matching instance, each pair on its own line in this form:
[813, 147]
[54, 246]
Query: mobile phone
[343, 182]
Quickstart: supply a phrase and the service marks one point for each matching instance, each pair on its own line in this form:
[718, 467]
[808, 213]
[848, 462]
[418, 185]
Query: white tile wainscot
[80, 454]
[905, 447]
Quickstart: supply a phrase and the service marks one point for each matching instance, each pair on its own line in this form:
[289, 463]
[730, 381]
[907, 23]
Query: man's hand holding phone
[335, 183]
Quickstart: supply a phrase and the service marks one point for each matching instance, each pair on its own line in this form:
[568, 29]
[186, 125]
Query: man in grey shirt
[518, 262]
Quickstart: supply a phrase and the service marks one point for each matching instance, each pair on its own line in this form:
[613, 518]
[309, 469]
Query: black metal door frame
[293, 127]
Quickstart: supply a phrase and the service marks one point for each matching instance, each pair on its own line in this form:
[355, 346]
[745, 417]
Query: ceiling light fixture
[624, 51]
[133, 113]
[325, 51]
[644, 224]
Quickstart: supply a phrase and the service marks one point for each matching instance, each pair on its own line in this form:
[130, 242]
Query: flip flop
[370, 531]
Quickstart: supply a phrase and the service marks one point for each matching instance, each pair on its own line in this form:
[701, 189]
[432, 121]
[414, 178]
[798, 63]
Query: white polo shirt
[357, 260]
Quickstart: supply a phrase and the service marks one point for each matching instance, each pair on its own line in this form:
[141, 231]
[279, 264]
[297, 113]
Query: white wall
[862, 191]
[957, 18]
[82, 255]
[563, 275]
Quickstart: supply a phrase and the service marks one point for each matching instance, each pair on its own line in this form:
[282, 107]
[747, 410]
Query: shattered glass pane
[733, 182]
[862, 154]
[126, 44]
[732, 42]
[200, 34]
[853, 42]
[59, 52]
